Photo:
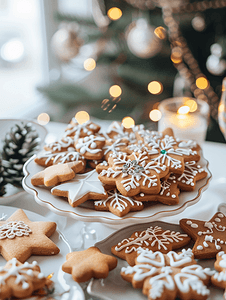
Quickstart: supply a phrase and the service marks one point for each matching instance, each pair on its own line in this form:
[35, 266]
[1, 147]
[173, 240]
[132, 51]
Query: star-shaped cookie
[84, 265]
[219, 278]
[81, 188]
[209, 236]
[21, 238]
[57, 173]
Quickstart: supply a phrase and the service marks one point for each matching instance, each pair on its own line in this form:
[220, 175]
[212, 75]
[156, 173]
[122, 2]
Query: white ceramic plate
[113, 287]
[11, 194]
[87, 213]
[51, 264]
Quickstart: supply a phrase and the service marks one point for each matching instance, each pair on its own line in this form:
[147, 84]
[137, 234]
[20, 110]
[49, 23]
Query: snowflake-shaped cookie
[20, 280]
[114, 146]
[209, 236]
[117, 131]
[76, 130]
[118, 204]
[153, 238]
[81, 188]
[66, 144]
[133, 174]
[47, 158]
[169, 193]
[192, 172]
[219, 278]
[167, 152]
[168, 276]
[91, 147]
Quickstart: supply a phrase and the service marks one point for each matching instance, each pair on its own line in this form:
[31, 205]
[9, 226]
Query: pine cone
[19, 145]
[2, 180]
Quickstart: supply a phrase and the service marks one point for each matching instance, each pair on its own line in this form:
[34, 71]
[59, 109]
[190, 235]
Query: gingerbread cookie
[168, 276]
[66, 144]
[117, 131]
[57, 173]
[114, 146]
[47, 158]
[76, 130]
[91, 147]
[192, 172]
[21, 238]
[133, 174]
[169, 193]
[87, 264]
[219, 278]
[153, 238]
[81, 188]
[20, 280]
[209, 236]
[118, 204]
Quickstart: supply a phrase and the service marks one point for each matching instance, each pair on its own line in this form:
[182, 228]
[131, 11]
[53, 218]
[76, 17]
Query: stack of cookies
[121, 169]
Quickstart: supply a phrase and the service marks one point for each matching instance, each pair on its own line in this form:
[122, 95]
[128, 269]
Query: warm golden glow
[176, 59]
[50, 276]
[155, 87]
[128, 122]
[155, 115]
[202, 83]
[115, 91]
[191, 104]
[160, 32]
[183, 110]
[82, 117]
[43, 119]
[89, 64]
[221, 108]
[114, 13]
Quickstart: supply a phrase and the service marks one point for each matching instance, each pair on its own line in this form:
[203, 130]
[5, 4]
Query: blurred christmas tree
[143, 51]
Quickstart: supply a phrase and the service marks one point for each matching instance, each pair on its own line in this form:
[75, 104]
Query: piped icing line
[19, 271]
[61, 157]
[87, 128]
[58, 145]
[14, 229]
[88, 144]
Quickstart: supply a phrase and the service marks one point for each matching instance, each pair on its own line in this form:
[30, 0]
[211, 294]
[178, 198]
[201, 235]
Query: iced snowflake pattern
[190, 171]
[133, 171]
[89, 144]
[80, 130]
[13, 229]
[119, 202]
[66, 143]
[114, 147]
[60, 158]
[172, 274]
[165, 148]
[118, 131]
[150, 237]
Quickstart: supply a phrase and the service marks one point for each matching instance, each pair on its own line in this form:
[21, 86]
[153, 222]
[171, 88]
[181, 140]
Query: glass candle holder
[188, 117]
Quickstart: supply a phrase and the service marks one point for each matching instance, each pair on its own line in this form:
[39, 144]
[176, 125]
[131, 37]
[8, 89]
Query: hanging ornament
[141, 39]
[215, 64]
[20, 143]
[198, 23]
[66, 43]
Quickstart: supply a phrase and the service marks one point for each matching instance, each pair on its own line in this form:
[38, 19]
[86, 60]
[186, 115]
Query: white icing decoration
[221, 276]
[199, 247]
[115, 147]
[14, 229]
[121, 133]
[165, 148]
[222, 262]
[18, 271]
[151, 236]
[170, 275]
[82, 184]
[88, 144]
[190, 171]
[58, 145]
[187, 144]
[117, 201]
[61, 157]
[134, 170]
[76, 128]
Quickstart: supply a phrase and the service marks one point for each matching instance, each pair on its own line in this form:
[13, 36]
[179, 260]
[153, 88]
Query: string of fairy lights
[181, 56]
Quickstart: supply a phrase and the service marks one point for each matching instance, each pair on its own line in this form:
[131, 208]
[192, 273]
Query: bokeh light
[191, 104]
[114, 13]
[89, 64]
[12, 51]
[155, 87]
[183, 110]
[82, 117]
[128, 122]
[43, 119]
[155, 115]
[202, 83]
[160, 32]
[115, 91]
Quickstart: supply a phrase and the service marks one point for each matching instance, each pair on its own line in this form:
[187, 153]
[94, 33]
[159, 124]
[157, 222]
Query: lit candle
[186, 122]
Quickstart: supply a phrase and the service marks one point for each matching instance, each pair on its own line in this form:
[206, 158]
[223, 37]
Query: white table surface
[215, 153]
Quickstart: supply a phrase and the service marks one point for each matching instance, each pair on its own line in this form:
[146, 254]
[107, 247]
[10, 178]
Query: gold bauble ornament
[66, 43]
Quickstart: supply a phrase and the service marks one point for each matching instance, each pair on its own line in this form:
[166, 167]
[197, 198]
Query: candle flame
[183, 110]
